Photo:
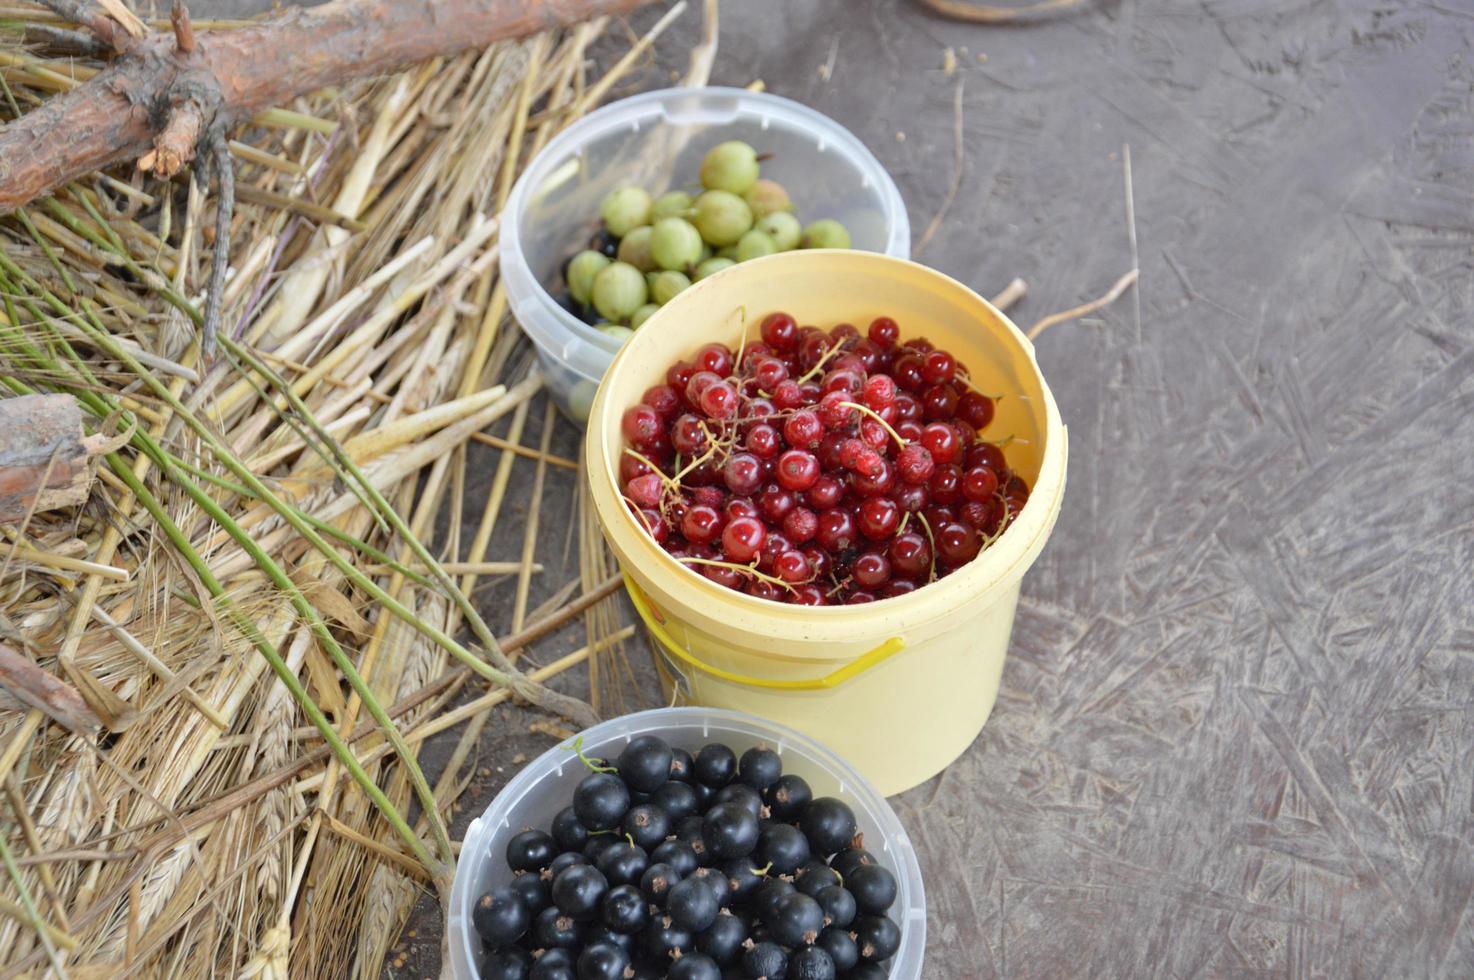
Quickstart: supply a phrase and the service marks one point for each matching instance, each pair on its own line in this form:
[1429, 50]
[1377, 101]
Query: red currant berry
[880, 391]
[873, 433]
[859, 597]
[939, 515]
[920, 345]
[715, 358]
[837, 531]
[770, 373]
[834, 410]
[762, 441]
[941, 441]
[743, 538]
[656, 525]
[791, 566]
[738, 507]
[871, 357]
[878, 518]
[700, 381]
[907, 373]
[910, 554]
[774, 503]
[679, 374]
[787, 395]
[630, 467]
[908, 409]
[811, 350]
[640, 423]
[915, 464]
[727, 578]
[763, 589]
[779, 331]
[803, 430]
[946, 485]
[807, 595]
[958, 544]
[719, 401]
[912, 497]
[879, 480]
[939, 402]
[909, 430]
[800, 525]
[664, 399]
[712, 496]
[986, 454]
[825, 493]
[983, 515]
[645, 490]
[797, 470]
[871, 570]
[884, 331]
[844, 332]
[742, 473]
[701, 524]
[975, 409]
[687, 435]
[938, 368]
[895, 588]
[979, 483]
[818, 560]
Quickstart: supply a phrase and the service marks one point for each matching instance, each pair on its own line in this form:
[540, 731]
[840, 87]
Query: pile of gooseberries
[710, 866]
[819, 467]
[649, 248]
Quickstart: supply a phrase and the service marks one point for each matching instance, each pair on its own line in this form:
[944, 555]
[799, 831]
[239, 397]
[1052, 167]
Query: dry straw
[258, 600]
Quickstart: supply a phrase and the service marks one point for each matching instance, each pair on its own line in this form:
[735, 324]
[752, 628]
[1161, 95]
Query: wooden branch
[45, 462]
[36, 688]
[233, 75]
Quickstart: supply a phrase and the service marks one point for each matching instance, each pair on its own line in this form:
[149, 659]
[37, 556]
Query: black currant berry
[811, 963]
[840, 946]
[743, 794]
[716, 765]
[829, 824]
[681, 766]
[554, 964]
[600, 933]
[742, 879]
[847, 860]
[838, 905]
[723, 939]
[600, 801]
[568, 832]
[678, 855]
[764, 960]
[662, 938]
[691, 905]
[644, 764]
[781, 848]
[765, 900]
[877, 936]
[506, 964]
[714, 879]
[622, 863]
[647, 825]
[696, 966]
[815, 876]
[598, 844]
[787, 798]
[868, 971]
[562, 863]
[729, 830]
[531, 850]
[536, 893]
[578, 891]
[602, 961]
[657, 881]
[501, 917]
[676, 799]
[760, 768]
[874, 888]
[553, 928]
[624, 909]
[796, 921]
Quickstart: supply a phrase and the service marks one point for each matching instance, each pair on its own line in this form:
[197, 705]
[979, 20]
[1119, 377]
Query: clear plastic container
[546, 785]
[656, 141]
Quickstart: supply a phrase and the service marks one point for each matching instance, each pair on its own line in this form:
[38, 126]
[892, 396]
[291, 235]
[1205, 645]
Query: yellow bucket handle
[852, 669]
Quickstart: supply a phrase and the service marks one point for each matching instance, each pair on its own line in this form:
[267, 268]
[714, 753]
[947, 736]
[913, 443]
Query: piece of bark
[231, 75]
[45, 461]
[36, 688]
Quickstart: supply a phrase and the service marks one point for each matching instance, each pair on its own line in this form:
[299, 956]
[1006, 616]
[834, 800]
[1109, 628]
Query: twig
[61, 40]
[959, 160]
[524, 451]
[1131, 229]
[40, 690]
[219, 262]
[1011, 294]
[1120, 287]
[77, 11]
[183, 29]
[976, 13]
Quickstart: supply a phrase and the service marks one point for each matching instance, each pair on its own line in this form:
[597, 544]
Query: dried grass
[240, 590]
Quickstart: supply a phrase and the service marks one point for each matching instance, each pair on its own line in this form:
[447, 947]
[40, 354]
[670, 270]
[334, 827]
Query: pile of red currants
[817, 467]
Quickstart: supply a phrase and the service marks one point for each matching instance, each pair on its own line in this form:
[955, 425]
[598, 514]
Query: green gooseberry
[619, 290]
[722, 217]
[783, 228]
[766, 197]
[634, 248]
[730, 166]
[665, 285]
[826, 233]
[675, 243]
[706, 252]
[581, 272]
[672, 204]
[614, 330]
[754, 245]
[641, 315]
[711, 267]
[728, 252]
[625, 209]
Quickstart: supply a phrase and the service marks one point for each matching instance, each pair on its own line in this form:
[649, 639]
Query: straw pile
[253, 625]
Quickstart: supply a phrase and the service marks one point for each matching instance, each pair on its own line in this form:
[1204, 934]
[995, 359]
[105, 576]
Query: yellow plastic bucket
[899, 687]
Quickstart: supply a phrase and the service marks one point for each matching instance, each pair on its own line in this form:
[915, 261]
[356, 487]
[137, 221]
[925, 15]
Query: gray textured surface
[1236, 723]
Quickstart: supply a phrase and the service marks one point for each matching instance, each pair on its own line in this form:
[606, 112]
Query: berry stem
[887, 426]
[971, 384]
[931, 573]
[577, 749]
[818, 367]
[744, 569]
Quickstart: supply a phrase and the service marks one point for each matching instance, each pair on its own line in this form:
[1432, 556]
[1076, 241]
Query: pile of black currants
[705, 867]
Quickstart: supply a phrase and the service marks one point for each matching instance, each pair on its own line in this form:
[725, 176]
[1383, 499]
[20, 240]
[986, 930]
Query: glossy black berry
[506, 964]
[692, 905]
[643, 970]
[535, 891]
[647, 825]
[742, 879]
[562, 863]
[796, 921]
[743, 794]
[868, 971]
[705, 796]
[662, 937]
[730, 830]
[716, 765]
[645, 763]
[554, 964]
[714, 879]
[829, 825]
[764, 960]
[622, 863]
[765, 900]
[877, 936]
[723, 939]
[695, 966]
[838, 905]
[874, 888]
[815, 876]
[600, 933]
[554, 928]
[569, 834]
[530, 850]
[657, 881]
[760, 768]
[681, 766]
[578, 891]
[787, 798]
[602, 961]
[811, 963]
[501, 917]
[840, 946]
[624, 909]
[678, 854]
[781, 848]
[600, 801]
[847, 860]
[676, 799]
[598, 844]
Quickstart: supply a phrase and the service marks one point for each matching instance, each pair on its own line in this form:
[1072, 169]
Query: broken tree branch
[35, 688]
[233, 75]
[224, 167]
[45, 461]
